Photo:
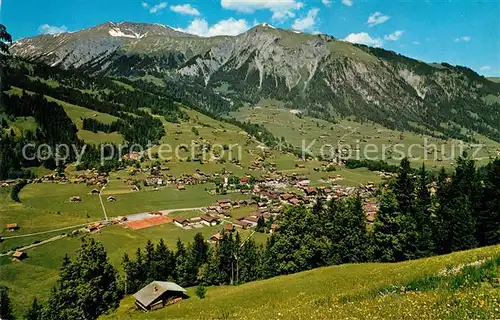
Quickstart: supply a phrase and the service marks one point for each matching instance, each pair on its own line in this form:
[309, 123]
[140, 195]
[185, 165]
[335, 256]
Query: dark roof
[180, 219]
[208, 218]
[148, 294]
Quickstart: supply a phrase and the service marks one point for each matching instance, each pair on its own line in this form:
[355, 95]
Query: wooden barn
[158, 294]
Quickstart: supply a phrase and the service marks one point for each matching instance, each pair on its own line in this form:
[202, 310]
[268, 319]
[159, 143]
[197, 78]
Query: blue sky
[459, 32]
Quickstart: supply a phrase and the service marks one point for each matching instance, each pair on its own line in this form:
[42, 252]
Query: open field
[339, 292]
[313, 133]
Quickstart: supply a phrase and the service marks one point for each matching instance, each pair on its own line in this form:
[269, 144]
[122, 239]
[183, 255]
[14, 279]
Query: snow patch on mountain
[116, 32]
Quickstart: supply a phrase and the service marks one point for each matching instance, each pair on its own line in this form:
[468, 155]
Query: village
[263, 193]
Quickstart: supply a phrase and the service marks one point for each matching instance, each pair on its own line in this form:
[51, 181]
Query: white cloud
[394, 36]
[347, 2]
[416, 43]
[364, 38]
[229, 27]
[307, 22]
[48, 29]
[327, 3]
[281, 9]
[377, 18]
[485, 68]
[145, 4]
[186, 9]
[464, 38]
[156, 8]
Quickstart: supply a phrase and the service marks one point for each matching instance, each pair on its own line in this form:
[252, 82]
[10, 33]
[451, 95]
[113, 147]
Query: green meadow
[320, 136]
[353, 291]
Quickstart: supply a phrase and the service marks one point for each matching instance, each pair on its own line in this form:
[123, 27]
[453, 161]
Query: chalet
[226, 205]
[95, 192]
[12, 226]
[243, 224]
[181, 222]
[94, 227]
[121, 219]
[253, 220]
[216, 238]
[294, 201]
[261, 211]
[158, 294]
[223, 201]
[219, 210]
[311, 191]
[75, 199]
[195, 220]
[111, 199]
[300, 166]
[181, 187]
[208, 220]
[132, 156]
[286, 196]
[244, 180]
[19, 255]
[228, 227]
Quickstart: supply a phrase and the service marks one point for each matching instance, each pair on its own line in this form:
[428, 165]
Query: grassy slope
[320, 294]
[495, 79]
[76, 114]
[36, 275]
[283, 123]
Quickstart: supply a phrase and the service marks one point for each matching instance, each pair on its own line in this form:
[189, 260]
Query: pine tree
[354, 243]
[387, 240]
[404, 188]
[488, 220]
[441, 220]
[5, 38]
[88, 285]
[199, 250]
[5, 304]
[464, 193]
[423, 243]
[35, 312]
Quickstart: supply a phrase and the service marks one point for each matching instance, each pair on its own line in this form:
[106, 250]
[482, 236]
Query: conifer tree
[88, 286]
[5, 304]
[488, 220]
[35, 312]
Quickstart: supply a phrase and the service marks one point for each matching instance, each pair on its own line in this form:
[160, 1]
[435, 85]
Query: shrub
[201, 291]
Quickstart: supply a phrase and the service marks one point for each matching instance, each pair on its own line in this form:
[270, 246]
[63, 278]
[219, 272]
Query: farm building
[111, 199]
[75, 199]
[181, 187]
[181, 222]
[158, 294]
[216, 238]
[12, 226]
[208, 220]
[19, 255]
[242, 224]
[95, 192]
[94, 227]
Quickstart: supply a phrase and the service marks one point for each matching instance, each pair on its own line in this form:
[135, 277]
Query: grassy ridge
[321, 293]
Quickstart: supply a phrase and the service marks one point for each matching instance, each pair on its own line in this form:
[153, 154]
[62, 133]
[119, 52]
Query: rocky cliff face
[316, 73]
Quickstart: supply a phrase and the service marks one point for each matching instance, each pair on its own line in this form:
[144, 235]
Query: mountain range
[318, 74]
